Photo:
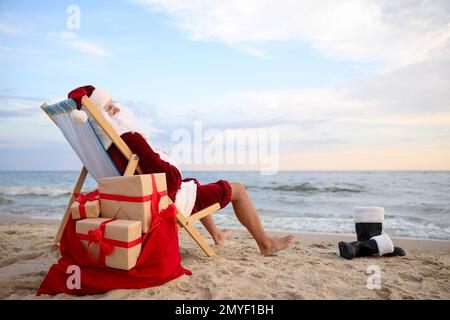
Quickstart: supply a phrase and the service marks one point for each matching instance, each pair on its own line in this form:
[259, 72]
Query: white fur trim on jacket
[368, 215]
[185, 197]
[384, 244]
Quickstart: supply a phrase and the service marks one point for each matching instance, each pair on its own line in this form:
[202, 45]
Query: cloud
[5, 95]
[21, 50]
[347, 117]
[19, 107]
[9, 113]
[13, 144]
[303, 107]
[419, 88]
[397, 33]
[72, 41]
[380, 120]
[9, 30]
[24, 112]
[422, 157]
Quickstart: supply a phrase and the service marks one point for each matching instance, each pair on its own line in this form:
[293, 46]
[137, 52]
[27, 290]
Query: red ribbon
[106, 245]
[105, 248]
[154, 197]
[83, 198]
[119, 197]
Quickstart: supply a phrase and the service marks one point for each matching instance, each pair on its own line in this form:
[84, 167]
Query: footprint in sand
[28, 256]
[314, 262]
[349, 266]
[205, 294]
[225, 272]
[410, 277]
[321, 245]
[432, 262]
[384, 293]
[258, 275]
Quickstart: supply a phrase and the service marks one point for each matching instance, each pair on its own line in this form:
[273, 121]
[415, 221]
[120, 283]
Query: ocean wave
[310, 188]
[5, 201]
[395, 226]
[33, 191]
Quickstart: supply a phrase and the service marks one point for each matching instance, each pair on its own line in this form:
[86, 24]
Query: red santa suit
[151, 162]
[160, 259]
[188, 194]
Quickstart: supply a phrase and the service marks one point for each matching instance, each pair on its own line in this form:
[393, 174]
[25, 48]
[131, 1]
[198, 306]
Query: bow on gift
[96, 236]
[156, 198]
[83, 198]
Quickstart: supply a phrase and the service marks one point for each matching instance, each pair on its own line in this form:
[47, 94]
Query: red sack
[158, 263]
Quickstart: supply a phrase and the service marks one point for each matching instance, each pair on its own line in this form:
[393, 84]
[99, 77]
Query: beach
[309, 269]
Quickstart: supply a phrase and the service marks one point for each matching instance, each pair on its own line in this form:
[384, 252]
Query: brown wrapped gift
[114, 243]
[130, 197]
[85, 206]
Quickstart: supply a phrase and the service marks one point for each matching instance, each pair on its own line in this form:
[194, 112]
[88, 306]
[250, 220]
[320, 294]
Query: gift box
[133, 197]
[85, 205]
[113, 243]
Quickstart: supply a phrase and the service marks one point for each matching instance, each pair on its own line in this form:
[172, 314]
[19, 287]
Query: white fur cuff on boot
[368, 215]
[384, 244]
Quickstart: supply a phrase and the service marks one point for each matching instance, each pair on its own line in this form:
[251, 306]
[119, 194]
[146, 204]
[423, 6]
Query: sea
[417, 203]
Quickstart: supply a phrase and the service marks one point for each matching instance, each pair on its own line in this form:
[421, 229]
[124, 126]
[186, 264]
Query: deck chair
[85, 141]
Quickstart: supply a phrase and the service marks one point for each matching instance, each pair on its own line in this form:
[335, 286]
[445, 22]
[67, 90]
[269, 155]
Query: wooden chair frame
[132, 167]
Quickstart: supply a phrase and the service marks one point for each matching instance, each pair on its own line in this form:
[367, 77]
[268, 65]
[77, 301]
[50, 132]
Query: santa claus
[188, 194]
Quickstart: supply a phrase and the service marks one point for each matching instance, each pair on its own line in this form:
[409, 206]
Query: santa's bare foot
[276, 244]
[220, 237]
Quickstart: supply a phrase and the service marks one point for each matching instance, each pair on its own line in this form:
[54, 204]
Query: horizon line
[253, 170]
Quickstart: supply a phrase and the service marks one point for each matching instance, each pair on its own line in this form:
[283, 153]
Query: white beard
[123, 121]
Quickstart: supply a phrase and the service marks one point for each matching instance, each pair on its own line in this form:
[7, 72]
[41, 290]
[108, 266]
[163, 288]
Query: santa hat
[99, 97]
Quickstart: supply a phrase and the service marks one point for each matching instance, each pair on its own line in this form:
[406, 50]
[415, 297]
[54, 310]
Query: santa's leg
[248, 217]
[219, 235]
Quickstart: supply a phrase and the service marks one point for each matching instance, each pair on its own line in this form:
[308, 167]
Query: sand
[310, 269]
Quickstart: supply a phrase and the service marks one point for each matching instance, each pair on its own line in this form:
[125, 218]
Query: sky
[349, 85]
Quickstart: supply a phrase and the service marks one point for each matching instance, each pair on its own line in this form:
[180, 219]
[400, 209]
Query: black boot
[369, 224]
[350, 250]
[380, 245]
[367, 230]
[398, 252]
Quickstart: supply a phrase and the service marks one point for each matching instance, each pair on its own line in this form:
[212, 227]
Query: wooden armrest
[203, 213]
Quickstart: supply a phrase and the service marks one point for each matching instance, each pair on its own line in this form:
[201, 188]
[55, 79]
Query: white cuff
[384, 244]
[368, 215]
[185, 197]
